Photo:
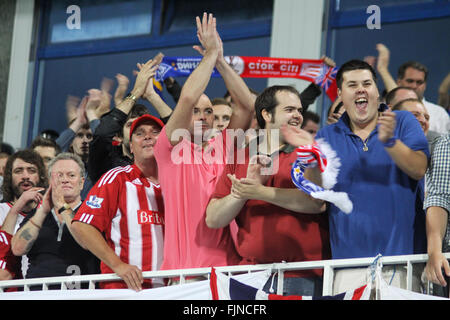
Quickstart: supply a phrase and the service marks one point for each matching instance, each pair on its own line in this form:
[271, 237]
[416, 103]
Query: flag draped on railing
[226, 288]
[312, 70]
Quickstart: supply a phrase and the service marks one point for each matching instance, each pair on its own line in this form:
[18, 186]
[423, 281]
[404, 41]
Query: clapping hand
[387, 123]
[296, 136]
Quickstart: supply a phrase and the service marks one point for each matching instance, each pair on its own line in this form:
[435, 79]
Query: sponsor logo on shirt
[150, 217]
[94, 202]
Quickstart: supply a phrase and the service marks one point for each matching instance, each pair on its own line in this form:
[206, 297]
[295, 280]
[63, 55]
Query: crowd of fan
[117, 191]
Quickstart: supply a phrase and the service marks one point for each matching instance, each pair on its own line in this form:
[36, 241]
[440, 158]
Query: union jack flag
[326, 77]
[227, 288]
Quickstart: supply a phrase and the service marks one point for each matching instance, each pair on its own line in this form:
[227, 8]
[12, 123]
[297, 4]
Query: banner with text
[311, 70]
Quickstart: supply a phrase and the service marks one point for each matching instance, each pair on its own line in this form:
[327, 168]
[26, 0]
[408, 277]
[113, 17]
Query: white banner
[199, 290]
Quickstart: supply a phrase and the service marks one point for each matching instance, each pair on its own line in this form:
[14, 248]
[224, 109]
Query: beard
[18, 191]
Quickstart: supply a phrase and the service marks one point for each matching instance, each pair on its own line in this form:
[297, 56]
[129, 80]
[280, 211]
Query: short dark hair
[268, 101]
[29, 156]
[220, 101]
[49, 134]
[136, 111]
[351, 65]
[40, 141]
[6, 148]
[399, 105]
[411, 64]
[391, 94]
[309, 115]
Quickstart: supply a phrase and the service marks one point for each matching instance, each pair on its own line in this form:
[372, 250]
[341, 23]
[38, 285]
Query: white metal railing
[67, 282]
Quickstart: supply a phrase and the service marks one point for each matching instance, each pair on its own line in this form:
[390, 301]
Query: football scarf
[312, 70]
[320, 155]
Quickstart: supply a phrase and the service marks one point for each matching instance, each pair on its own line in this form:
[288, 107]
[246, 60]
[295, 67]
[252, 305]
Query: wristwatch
[131, 96]
[64, 208]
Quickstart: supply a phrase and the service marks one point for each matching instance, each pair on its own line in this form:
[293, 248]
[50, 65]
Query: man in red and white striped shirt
[126, 206]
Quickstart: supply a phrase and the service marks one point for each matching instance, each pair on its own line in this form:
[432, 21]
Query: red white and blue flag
[320, 155]
[312, 70]
[327, 79]
[227, 288]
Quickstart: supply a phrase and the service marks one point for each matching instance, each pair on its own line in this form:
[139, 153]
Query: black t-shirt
[56, 253]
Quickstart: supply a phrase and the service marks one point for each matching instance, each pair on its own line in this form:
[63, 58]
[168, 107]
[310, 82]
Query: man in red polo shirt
[277, 222]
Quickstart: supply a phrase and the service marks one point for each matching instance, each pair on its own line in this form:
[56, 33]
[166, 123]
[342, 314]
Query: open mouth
[294, 123]
[361, 104]
[26, 185]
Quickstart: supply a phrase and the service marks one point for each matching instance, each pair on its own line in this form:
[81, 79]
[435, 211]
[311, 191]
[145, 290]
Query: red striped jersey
[8, 261]
[129, 210]
[4, 210]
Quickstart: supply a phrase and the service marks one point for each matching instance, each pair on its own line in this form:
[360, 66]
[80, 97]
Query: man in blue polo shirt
[383, 155]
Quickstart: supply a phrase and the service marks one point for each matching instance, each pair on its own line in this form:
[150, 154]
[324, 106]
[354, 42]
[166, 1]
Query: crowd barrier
[328, 266]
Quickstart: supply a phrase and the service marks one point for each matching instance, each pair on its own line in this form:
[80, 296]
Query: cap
[142, 119]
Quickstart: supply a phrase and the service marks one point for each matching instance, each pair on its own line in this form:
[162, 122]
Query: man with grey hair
[46, 238]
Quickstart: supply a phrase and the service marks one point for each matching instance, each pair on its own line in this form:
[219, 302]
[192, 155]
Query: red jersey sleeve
[8, 261]
[100, 206]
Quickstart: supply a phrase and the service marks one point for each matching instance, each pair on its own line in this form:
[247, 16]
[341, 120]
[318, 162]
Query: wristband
[390, 142]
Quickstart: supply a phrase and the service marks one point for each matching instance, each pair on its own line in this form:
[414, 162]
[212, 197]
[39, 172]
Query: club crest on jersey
[94, 202]
[150, 217]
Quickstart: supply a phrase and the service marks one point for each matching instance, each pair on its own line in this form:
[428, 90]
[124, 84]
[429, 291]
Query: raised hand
[258, 168]
[33, 194]
[296, 136]
[93, 103]
[328, 61]
[105, 102]
[47, 202]
[149, 89]
[57, 193]
[122, 88]
[146, 72]
[207, 34]
[383, 57]
[370, 60]
[71, 107]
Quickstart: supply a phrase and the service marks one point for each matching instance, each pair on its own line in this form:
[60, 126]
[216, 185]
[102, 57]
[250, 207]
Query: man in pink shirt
[190, 165]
